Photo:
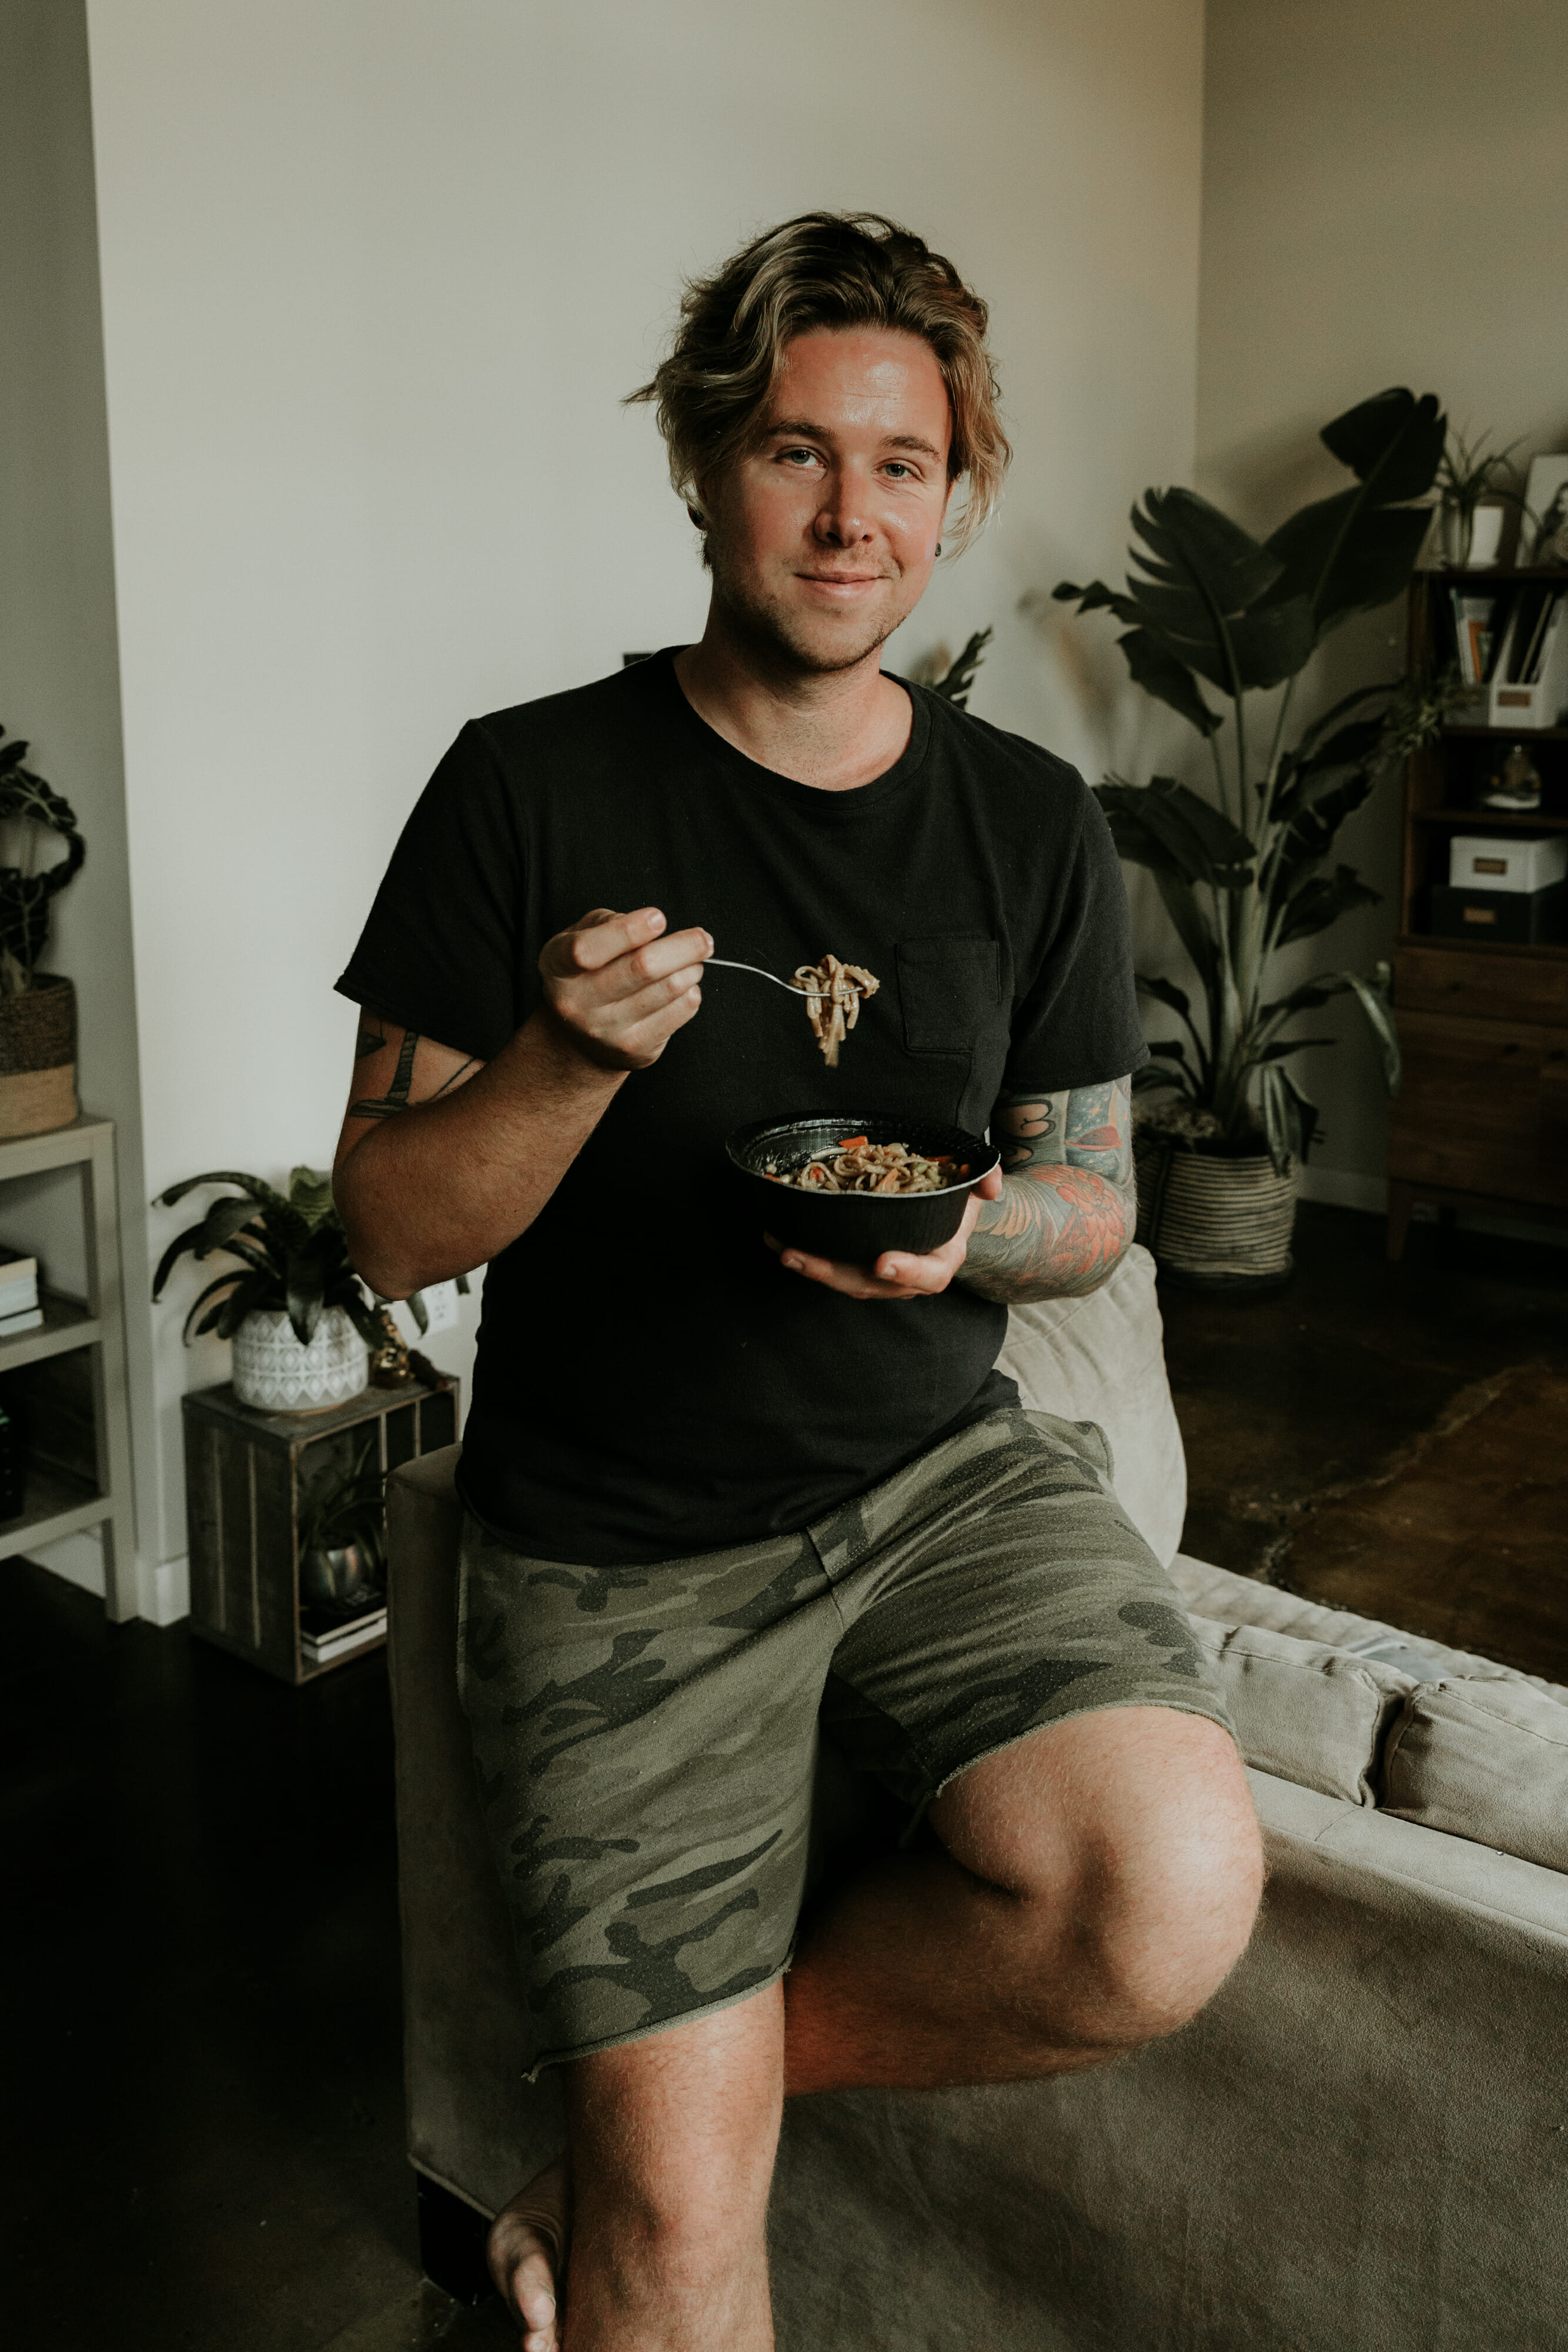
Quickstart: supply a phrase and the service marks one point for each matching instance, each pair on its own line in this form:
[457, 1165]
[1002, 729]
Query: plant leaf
[1354, 551]
[1277, 1052]
[1168, 992]
[1290, 1118]
[416, 1306]
[1322, 901]
[1392, 441]
[1159, 672]
[307, 1293]
[1199, 841]
[1372, 995]
[953, 685]
[1310, 834]
[224, 1282]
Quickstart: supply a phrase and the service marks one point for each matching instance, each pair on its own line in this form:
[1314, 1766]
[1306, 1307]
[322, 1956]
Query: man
[718, 1491]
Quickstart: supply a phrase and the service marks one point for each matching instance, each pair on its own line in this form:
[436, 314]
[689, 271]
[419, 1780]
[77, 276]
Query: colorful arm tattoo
[1067, 1210]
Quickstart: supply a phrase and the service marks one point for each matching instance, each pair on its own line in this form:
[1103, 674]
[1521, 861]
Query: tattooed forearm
[396, 1095]
[370, 1041]
[1066, 1213]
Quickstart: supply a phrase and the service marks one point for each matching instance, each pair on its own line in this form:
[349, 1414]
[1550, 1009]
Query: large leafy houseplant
[1241, 875]
[293, 1257]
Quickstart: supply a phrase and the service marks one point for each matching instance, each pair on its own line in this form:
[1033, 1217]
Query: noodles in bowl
[856, 1164]
[851, 1188]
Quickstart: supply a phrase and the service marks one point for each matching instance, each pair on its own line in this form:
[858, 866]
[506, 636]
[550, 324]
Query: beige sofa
[1361, 2146]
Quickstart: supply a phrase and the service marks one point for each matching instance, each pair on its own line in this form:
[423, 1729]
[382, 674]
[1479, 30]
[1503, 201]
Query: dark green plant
[1241, 876]
[347, 1507]
[25, 893]
[956, 681]
[1467, 473]
[293, 1254]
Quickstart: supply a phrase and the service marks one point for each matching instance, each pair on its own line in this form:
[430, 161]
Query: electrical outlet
[441, 1305]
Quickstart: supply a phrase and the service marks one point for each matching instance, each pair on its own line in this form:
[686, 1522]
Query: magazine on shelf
[337, 1646]
[332, 1632]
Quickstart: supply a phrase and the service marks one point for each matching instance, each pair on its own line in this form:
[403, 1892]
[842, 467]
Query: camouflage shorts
[646, 1738]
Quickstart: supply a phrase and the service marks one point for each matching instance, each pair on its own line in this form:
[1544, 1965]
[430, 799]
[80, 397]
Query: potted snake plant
[38, 1009]
[1240, 869]
[297, 1314]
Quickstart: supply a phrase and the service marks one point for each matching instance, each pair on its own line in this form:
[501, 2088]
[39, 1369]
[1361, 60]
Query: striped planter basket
[1216, 1223]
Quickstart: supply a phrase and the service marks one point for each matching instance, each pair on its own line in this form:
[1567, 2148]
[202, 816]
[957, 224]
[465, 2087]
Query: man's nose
[843, 518]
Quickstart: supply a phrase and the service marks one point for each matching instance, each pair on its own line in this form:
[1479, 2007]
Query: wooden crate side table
[65, 1496]
[242, 1502]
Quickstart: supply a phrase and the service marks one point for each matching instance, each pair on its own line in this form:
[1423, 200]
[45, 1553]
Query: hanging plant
[26, 891]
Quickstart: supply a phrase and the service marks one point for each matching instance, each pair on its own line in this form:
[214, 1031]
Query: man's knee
[1130, 1843]
[1162, 1933]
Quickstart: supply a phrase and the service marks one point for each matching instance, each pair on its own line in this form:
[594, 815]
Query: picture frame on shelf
[1546, 510]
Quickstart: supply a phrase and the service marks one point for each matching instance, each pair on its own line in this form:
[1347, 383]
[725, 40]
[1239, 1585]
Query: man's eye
[896, 465]
[809, 456]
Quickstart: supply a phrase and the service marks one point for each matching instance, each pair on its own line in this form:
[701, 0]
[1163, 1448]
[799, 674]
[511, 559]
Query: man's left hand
[895, 1275]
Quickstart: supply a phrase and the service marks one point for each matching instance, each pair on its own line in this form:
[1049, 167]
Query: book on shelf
[18, 1283]
[22, 1318]
[326, 1633]
[1473, 635]
[337, 1646]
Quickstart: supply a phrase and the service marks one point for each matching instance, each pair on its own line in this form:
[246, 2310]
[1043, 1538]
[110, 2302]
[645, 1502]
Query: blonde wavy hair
[824, 269]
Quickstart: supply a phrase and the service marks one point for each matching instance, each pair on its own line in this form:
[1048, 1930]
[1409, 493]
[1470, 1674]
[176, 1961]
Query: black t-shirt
[650, 1381]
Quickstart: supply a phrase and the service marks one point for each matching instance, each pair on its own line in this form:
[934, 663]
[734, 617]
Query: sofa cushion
[1233, 1599]
[1102, 1358]
[1303, 1711]
[1486, 1761]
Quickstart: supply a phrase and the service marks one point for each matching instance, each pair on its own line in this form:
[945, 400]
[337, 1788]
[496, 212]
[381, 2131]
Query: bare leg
[1100, 1881]
[673, 2141]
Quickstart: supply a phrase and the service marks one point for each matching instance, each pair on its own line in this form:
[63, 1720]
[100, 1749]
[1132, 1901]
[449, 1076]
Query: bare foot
[527, 2252]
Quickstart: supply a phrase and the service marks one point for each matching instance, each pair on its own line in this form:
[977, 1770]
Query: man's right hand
[619, 988]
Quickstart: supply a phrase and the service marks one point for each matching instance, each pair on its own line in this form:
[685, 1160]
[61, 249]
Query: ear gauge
[938, 550]
[698, 517]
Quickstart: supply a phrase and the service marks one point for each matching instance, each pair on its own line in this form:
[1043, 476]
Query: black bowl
[856, 1226]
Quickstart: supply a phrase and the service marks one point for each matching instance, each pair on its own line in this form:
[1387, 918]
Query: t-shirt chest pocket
[949, 991]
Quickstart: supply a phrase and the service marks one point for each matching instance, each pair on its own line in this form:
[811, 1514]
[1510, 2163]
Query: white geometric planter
[272, 1373]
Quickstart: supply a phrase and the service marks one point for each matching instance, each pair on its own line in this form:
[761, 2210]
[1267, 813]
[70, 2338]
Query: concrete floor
[204, 2142]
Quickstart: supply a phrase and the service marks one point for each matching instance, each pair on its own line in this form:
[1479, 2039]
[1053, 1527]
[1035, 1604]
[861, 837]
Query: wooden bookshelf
[1481, 1120]
[66, 1381]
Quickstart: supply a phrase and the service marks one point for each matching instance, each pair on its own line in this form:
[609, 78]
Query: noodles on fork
[834, 992]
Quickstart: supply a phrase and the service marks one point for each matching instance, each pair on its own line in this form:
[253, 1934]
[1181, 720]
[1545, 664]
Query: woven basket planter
[1214, 1222]
[38, 1056]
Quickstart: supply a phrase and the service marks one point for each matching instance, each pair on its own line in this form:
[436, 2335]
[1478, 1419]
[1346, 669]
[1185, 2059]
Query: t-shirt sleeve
[439, 951]
[1077, 1024]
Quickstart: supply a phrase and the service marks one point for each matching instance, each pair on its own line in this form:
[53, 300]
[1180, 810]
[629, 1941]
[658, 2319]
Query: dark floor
[1299, 1408]
[204, 2111]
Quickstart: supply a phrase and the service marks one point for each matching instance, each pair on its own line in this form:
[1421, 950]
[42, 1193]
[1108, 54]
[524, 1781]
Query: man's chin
[812, 649]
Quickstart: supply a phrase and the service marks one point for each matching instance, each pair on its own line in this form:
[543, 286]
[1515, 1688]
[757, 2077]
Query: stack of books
[19, 1307]
[327, 1634]
[1513, 650]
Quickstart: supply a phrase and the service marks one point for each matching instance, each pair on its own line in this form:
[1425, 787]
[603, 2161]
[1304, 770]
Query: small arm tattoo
[1066, 1211]
[396, 1095]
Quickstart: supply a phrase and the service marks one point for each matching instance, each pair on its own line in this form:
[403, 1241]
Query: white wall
[375, 276]
[1386, 201]
[58, 680]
